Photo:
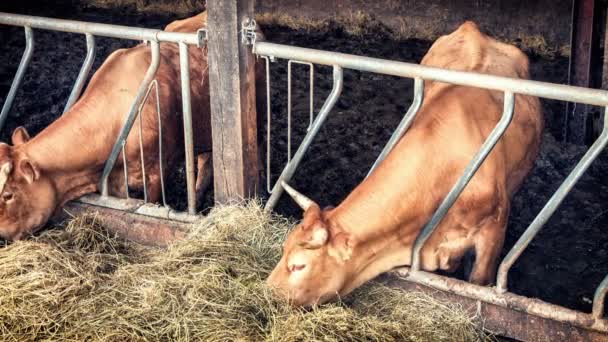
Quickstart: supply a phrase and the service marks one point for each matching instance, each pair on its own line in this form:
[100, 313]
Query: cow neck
[66, 152]
[384, 214]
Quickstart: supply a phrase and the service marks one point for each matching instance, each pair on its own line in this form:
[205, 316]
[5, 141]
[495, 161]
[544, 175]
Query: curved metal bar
[599, 299]
[469, 172]
[130, 119]
[551, 206]
[184, 67]
[290, 169]
[84, 72]
[404, 125]
[25, 61]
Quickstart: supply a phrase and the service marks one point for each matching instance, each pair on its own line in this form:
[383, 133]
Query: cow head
[27, 198]
[314, 267]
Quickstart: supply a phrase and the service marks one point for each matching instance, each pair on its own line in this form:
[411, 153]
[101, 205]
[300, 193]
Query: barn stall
[571, 245]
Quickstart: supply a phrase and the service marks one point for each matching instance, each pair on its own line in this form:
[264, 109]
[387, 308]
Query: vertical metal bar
[25, 61]
[288, 111]
[126, 127]
[268, 124]
[550, 207]
[404, 125]
[599, 299]
[141, 151]
[469, 172]
[311, 88]
[84, 72]
[290, 169]
[160, 145]
[184, 67]
[125, 169]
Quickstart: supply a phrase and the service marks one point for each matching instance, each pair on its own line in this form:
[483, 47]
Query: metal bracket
[202, 36]
[248, 35]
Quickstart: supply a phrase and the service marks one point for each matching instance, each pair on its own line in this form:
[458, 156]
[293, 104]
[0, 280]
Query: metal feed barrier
[149, 83]
[495, 302]
[504, 312]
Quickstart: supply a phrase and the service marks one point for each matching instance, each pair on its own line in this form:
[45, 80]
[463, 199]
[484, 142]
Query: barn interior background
[572, 246]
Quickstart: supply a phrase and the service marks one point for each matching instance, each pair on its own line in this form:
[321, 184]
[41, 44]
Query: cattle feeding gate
[503, 312]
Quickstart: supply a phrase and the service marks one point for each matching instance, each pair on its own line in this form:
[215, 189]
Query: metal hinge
[248, 35]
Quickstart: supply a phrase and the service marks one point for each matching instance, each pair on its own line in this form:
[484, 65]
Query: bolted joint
[202, 37]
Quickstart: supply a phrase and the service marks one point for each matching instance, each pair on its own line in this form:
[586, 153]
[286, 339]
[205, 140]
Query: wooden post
[585, 69]
[232, 90]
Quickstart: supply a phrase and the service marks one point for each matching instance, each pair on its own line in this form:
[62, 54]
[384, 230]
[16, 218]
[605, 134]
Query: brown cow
[333, 251]
[64, 161]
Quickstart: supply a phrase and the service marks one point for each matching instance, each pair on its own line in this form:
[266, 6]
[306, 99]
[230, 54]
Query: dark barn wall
[510, 19]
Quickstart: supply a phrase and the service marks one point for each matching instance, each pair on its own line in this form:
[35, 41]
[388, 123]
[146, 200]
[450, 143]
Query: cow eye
[295, 268]
[7, 196]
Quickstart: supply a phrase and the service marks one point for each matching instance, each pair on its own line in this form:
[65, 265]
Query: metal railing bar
[141, 147]
[509, 300]
[290, 169]
[25, 61]
[125, 167]
[268, 124]
[411, 70]
[130, 119]
[184, 66]
[469, 172]
[550, 207]
[84, 72]
[104, 30]
[599, 299]
[160, 145]
[404, 125]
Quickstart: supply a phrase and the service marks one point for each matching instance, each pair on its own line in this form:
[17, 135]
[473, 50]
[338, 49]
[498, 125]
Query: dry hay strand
[83, 283]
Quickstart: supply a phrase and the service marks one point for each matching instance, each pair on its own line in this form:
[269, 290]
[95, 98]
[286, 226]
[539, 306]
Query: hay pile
[81, 283]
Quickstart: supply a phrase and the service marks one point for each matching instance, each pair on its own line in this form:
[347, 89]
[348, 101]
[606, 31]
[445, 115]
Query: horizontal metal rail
[291, 167]
[104, 30]
[410, 70]
[509, 300]
[25, 61]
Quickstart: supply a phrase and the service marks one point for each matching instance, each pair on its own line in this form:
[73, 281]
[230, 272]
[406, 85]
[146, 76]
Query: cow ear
[314, 237]
[29, 170]
[342, 246]
[20, 136]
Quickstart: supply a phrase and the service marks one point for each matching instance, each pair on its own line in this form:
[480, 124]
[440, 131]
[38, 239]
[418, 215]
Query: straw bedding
[82, 283]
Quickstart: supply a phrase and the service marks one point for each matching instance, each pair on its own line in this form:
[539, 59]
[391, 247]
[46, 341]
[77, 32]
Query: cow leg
[204, 174]
[488, 245]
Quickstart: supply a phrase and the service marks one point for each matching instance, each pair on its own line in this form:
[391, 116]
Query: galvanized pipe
[469, 172]
[268, 124]
[404, 125]
[507, 300]
[599, 299]
[184, 67]
[551, 206]
[84, 72]
[290, 169]
[410, 70]
[104, 30]
[25, 61]
[130, 119]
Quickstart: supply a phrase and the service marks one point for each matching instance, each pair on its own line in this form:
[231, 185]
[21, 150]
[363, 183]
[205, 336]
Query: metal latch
[248, 35]
[201, 35]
